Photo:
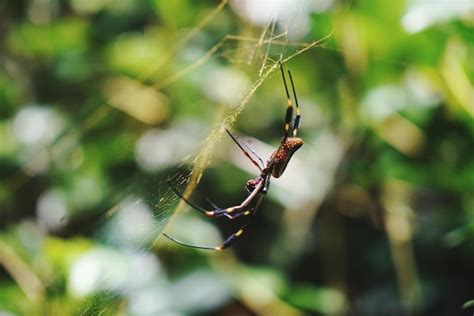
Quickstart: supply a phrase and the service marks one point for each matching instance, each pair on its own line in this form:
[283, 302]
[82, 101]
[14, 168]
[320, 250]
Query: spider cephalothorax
[252, 183]
[258, 186]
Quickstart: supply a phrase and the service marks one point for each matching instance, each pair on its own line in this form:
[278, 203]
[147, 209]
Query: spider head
[251, 184]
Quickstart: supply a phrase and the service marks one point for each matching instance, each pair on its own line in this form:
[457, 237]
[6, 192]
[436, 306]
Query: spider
[257, 187]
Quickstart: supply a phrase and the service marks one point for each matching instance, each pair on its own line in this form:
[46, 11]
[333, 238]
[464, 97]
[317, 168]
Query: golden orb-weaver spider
[258, 186]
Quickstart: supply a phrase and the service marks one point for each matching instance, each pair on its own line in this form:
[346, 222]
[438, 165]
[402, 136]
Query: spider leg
[230, 212]
[241, 146]
[254, 209]
[246, 211]
[296, 123]
[232, 238]
[227, 242]
[194, 206]
[208, 200]
[237, 211]
[189, 245]
[241, 209]
[289, 108]
[255, 154]
[219, 212]
[212, 203]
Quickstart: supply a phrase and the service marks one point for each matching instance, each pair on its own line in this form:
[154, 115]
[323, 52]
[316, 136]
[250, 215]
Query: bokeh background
[108, 107]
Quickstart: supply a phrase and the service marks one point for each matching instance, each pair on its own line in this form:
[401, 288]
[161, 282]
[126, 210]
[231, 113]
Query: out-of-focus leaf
[468, 304]
[49, 40]
[322, 300]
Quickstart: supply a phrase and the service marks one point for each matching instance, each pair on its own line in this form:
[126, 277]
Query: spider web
[262, 52]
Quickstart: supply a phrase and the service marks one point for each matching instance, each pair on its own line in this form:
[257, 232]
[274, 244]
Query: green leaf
[468, 304]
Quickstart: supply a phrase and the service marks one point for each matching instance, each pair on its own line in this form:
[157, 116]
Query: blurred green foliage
[101, 102]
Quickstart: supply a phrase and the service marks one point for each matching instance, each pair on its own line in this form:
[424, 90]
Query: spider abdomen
[283, 154]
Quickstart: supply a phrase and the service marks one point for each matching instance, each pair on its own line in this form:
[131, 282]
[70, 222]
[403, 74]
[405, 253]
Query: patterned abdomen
[283, 154]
